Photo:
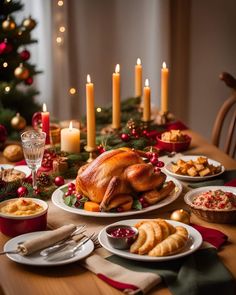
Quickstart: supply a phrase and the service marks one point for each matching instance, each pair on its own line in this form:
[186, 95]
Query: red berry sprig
[101, 149]
[153, 159]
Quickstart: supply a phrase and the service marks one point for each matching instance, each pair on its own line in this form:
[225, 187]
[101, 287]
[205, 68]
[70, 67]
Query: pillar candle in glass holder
[164, 88]
[70, 139]
[90, 112]
[138, 78]
[146, 102]
[116, 98]
[46, 123]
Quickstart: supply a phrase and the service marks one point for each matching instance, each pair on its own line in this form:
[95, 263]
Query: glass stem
[34, 182]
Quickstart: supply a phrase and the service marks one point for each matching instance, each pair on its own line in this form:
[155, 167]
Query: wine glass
[33, 143]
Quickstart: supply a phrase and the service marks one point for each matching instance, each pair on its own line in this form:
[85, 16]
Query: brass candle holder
[91, 151]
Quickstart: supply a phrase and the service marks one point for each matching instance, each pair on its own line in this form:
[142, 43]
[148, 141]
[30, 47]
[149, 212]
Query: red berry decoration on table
[25, 55]
[22, 191]
[145, 132]
[153, 158]
[125, 136]
[101, 149]
[59, 181]
[37, 191]
[160, 164]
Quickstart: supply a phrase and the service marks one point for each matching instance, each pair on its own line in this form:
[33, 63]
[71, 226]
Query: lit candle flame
[146, 83]
[164, 65]
[117, 69]
[71, 125]
[88, 79]
[44, 107]
[138, 61]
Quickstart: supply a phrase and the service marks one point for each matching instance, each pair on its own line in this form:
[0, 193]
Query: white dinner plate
[58, 194]
[36, 258]
[22, 168]
[167, 169]
[193, 243]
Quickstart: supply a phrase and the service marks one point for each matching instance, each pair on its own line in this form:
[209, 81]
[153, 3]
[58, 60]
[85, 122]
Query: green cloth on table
[220, 180]
[201, 273]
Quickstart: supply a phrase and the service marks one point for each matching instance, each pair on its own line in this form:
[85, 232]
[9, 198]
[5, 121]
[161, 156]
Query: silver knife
[67, 254]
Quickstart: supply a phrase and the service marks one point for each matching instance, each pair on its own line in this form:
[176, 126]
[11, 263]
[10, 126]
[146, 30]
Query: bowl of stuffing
[173, 141]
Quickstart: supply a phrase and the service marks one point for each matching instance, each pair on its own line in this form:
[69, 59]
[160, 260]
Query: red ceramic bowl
[178, 146]
[14, 225]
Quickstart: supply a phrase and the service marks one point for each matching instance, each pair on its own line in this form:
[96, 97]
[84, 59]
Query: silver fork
[63, 243]
[67, 254]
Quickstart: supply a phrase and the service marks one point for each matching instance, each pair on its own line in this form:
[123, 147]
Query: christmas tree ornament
[59, 181]
[22, 191]
[29, 81]
[24, 55]
[29, 23]
[3, 135]
[8, 24]
[21, 72]
[5, 47]
[18, 122]
[125, 136]
[181, 215]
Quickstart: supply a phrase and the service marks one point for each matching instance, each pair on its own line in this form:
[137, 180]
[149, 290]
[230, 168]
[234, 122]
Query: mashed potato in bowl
[22, 215]
[21, 207]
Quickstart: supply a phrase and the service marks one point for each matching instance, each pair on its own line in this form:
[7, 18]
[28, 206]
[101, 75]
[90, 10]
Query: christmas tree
[16, 72]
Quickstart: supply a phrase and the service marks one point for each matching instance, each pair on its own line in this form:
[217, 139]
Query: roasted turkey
[116, 176]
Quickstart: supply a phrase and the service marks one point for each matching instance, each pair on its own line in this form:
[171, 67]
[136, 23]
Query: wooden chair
[228, 108]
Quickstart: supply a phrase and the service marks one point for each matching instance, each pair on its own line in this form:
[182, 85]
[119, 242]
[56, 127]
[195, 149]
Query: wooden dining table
[71, 279]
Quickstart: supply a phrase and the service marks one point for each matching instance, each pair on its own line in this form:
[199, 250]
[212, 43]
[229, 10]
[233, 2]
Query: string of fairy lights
[61, 29]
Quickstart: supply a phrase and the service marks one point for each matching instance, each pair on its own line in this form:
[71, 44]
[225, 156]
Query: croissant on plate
[158, 238]
[172, 244]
